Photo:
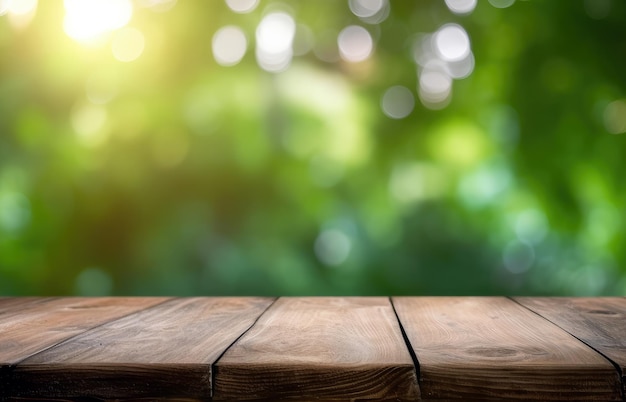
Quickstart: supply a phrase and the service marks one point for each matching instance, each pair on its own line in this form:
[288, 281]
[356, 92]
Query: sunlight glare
[4, 6]
[20, 7]
[86, 20]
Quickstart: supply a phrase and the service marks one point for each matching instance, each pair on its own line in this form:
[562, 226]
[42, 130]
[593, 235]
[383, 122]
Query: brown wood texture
[320, 348]
[474, 348]
[10, 306]
[599, 322]
[39, 325]
[15, 304]
[490, 348]
[164, 351]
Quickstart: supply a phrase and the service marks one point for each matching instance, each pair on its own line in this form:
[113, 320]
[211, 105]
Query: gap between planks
[416, 362]
[6, 371]
[315, 364]
[581, 339]
[105, 354]
[12, 366]
[214, 364]
[617, 366]
[438, 366]
[407, 342]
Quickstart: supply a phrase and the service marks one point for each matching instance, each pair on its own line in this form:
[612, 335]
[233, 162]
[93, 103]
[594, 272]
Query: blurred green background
[312, 147]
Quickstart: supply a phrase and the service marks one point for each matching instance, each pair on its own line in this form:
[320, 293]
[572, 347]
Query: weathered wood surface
[493, 348]
[320, 348]
[11, 305]
[329, 348]
[38, 326]
[164, 351]
[599, 322]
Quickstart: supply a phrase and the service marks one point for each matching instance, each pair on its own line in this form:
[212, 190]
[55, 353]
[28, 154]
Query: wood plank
[39, 325]
[164, 351]
[14, 305]
[320, 348]
[489, 348]
[7, 303]
[599, 322]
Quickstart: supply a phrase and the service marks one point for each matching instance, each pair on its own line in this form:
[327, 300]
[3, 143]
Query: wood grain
[599, 322]
[164, 351]
[11, 306]
[39, 325]
[320, 348]
[15, 304]
[312, 348]
[492, 348]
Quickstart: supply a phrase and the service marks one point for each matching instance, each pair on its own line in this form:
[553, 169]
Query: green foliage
[173, 174]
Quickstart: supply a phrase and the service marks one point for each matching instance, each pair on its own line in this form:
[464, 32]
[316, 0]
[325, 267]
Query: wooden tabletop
[322, 348]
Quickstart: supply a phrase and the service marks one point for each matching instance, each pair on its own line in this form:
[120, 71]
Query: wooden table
[337, 348]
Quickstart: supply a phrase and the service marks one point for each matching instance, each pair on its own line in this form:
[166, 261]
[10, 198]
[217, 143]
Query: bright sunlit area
[353, 147]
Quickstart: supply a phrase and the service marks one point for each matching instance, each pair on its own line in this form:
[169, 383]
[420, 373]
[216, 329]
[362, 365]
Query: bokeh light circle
[366, 8]
[87, 20]
[501, 3]
[242, 6]
[452, 42]
[229, 45]
[397, 102]
[461, 7]
[128, 44]
[274, 41]
[355, 44]
[332, 247]
[615, 117]
[435, 87]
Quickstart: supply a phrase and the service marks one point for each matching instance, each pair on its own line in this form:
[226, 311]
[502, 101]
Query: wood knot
[603, 312]
[492, 352]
